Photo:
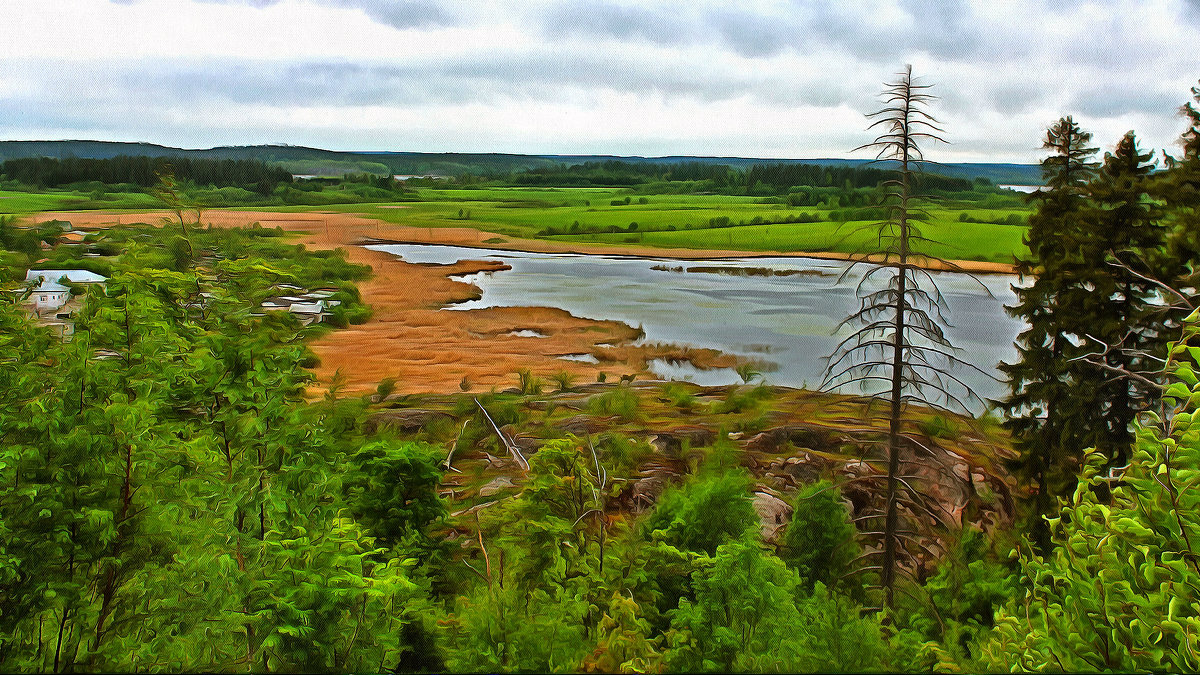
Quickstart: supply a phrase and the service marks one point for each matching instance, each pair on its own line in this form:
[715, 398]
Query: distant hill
[302, 160]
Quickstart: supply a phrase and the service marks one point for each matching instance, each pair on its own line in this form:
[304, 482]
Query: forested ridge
[176, 498]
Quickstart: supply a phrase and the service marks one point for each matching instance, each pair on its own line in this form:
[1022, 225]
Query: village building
[52, 301]
[48, 296]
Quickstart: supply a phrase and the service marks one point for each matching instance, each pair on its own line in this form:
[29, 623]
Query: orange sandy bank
[425, 349]
[428, 350]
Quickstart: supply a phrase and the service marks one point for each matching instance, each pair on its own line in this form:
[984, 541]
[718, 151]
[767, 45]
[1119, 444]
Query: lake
[786, 320]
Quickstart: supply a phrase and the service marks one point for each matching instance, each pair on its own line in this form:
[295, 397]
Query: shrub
[563, 379]
[392, 489]
[819, 542]
[679, 396]
[622, 402]
[939, 426]
[705, 512]
[530, 384]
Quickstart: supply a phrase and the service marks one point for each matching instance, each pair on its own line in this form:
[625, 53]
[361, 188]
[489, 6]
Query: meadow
[689, 221]
[698, 221]
[19, 203]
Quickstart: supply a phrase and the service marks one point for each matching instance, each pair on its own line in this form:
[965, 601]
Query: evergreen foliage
[1094, 314]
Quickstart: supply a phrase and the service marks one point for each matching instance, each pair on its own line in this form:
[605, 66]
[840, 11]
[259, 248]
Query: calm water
[787, 322]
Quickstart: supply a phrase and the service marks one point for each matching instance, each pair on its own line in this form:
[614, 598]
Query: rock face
[799, 435]
[409, 420]
[671, 442]
[774, 514]
[582, 425]
[525, 443]
[497, 484]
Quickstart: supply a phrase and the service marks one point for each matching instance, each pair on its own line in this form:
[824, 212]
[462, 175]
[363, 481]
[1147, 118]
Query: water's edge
[783, 312]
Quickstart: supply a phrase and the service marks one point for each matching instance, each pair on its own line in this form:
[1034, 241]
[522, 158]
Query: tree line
[762, 179]
[45, 172]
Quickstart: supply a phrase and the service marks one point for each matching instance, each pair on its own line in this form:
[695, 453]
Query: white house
[49, 295]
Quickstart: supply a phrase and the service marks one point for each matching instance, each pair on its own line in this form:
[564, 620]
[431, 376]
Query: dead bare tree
[900, 348]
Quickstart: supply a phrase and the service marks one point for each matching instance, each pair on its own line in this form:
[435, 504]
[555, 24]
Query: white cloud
[784, 78]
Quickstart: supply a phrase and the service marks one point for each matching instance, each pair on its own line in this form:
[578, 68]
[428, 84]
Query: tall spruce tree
[1116, 299]
[1042, 397]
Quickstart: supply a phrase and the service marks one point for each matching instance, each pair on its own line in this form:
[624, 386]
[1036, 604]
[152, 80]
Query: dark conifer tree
[1115, 303]
[1042, 395]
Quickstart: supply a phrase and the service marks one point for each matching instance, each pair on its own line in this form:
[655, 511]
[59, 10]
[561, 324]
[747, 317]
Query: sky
[748, 78]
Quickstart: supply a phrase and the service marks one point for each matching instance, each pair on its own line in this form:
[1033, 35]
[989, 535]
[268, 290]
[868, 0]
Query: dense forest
[757, 179]
[144, 172]
[315, 161]
[173, 500]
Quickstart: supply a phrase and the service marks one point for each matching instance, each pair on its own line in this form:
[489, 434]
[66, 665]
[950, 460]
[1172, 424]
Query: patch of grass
[740, 400]
[563, 379]
[621, 402]
[624, 454]
[530, 384]
[939, 426]
[679, 396]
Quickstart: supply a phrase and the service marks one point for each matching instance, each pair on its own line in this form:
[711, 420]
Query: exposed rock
[799, 435]
[525, 443]
[804, 468]
[498, 484]
[646, 491]
[671, 441]
[498, 462]
[773, 512]
[582, 425]
[408, 420]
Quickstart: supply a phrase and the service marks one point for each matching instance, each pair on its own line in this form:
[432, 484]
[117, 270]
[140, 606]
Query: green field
[589, 215]
[23, 203]
[683, 221]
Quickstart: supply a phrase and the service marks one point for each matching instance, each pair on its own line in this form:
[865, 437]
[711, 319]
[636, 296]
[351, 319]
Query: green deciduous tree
[750, 614]
[1120, 590]
[705, 512]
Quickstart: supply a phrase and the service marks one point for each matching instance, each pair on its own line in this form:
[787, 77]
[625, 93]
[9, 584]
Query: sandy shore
[427, 350]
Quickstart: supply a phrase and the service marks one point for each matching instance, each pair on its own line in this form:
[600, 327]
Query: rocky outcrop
[408, 420]
[799, 435]
[773, 514]
[671, 441]
[498, 484]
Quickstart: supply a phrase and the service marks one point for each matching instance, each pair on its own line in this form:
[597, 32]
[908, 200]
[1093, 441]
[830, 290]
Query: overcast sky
[771, 78]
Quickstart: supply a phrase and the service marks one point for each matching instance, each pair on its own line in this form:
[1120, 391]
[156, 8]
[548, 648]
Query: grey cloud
[396, 13]
[257, 4]
[1114, 102]
[402, 13]
[1013, 98]
[617, 21]
[755, 35]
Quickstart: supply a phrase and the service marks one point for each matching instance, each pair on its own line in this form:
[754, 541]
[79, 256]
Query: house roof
[305, 308]
[74, 276]
[51, 287]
